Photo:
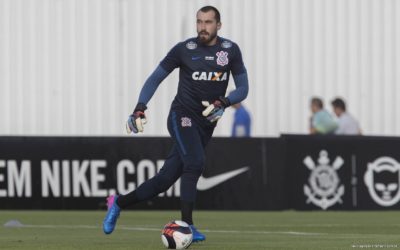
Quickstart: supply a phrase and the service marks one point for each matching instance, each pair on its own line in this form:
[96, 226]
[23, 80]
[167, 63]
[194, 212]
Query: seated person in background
[347, 125]
[321, 121]
[241, 121]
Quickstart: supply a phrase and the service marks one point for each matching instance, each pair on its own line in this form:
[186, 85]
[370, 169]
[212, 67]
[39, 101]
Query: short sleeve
[237, 66]
[172, 60]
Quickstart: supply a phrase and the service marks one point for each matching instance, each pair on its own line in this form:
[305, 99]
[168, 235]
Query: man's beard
[205, 40]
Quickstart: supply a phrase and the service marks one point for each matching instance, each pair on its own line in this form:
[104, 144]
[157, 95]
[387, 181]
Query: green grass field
[224, 230]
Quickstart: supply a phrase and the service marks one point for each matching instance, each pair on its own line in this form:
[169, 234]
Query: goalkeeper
[205, 64]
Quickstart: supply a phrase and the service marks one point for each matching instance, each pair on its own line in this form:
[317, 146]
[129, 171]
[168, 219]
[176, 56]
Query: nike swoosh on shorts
[210, 182]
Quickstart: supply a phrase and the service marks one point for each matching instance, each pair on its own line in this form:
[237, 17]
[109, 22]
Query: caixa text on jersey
[210, 76]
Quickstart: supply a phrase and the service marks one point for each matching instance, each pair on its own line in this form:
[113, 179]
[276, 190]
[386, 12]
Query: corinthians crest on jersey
[222, 58]
[324, 189]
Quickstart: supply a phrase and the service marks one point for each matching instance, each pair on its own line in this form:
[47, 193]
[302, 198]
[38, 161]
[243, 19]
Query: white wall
[75, 67]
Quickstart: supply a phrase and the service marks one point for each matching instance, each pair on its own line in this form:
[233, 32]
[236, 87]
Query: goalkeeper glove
[137, 119]
[214, 111]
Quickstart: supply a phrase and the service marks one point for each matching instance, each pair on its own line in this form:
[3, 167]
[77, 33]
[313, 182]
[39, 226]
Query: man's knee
[194, 166]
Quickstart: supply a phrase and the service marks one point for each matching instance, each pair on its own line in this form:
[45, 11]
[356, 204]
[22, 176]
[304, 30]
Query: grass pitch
[224, 230]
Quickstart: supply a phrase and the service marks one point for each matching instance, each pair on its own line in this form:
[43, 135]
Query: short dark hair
[317, 102]
[212, 8]
[339, 103]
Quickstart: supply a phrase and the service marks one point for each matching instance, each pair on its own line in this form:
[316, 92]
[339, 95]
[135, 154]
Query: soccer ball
[177, 235]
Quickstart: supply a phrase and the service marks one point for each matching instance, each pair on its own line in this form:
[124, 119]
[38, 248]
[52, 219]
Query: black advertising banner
[320, 172]
[291, 172]
[79, 172]
[377, 169]
[261, 184]
[343, 172]
[73, 173]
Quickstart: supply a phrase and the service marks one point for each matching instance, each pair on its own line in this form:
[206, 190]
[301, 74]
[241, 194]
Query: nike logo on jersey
[209, 76]
[195, 58]
[206, 183]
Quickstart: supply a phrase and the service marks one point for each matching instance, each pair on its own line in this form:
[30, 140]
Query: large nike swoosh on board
[210, 182]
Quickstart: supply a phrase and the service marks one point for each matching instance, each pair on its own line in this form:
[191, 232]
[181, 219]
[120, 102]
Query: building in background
[74, 67]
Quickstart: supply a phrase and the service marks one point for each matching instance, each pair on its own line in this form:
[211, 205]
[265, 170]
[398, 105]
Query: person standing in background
[241, 121]
[321, 121]
[347, 125]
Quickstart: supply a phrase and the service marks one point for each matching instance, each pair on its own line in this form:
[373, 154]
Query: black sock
[129, 199]
[186, 211]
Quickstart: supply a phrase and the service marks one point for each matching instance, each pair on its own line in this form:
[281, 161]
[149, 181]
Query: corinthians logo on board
[323, 190]
[382, 179]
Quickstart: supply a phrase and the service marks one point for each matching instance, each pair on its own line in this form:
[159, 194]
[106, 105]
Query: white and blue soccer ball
[177, 235]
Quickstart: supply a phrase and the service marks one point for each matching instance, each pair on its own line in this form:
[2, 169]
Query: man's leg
[167, 176]
[169, 173]
[189, 139]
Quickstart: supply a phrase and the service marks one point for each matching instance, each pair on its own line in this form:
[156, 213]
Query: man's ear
[219, 24]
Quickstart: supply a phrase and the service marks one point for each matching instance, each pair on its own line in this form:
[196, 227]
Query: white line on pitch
[157, 229]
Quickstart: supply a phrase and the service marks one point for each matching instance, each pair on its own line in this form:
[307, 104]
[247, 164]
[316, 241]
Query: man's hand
[137, 119]
[214, 111]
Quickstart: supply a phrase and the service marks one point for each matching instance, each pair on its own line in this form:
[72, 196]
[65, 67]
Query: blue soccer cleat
[112, 214]
[197, 236]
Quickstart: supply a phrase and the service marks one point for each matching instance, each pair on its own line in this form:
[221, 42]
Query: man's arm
[151, 84]
[214, 111]
[137, 119]
[242, 89]
[239, 73]
[167, 65]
